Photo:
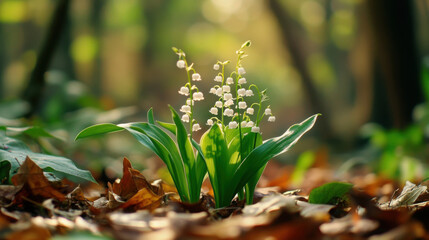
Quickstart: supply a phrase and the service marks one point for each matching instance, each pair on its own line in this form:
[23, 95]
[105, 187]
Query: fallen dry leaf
[34, 184]
[132, 181]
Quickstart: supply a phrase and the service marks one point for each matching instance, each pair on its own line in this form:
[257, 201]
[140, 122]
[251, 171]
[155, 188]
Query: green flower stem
[223, 100]
[191, 117]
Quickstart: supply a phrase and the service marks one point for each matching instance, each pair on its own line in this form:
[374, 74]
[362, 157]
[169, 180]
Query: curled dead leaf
[35, 185]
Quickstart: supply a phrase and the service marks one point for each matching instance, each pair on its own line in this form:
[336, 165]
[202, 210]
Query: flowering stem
[236, 104]
[191, 115]
[223, 99]
[258, 117]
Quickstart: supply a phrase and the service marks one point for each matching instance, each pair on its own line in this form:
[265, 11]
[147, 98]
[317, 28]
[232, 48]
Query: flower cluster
[234, 97]
[189, 89]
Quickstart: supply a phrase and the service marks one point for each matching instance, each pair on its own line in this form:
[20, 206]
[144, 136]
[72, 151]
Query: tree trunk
[394, 41]
[34, 90]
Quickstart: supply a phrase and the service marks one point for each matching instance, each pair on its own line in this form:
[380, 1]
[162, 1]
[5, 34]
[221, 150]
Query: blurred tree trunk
[36, 85]
[295, 50]
[394, 42]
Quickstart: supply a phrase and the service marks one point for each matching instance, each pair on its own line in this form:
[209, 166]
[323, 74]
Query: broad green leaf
[98, 129]
[215, 152]
[188, 157]
[250, 142]
[269, 149]
[169, 153]
[169, 126]
[33, 131]
[330, 193]
[14, 152]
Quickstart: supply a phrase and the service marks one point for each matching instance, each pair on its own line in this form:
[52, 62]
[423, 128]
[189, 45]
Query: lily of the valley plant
[231, 150]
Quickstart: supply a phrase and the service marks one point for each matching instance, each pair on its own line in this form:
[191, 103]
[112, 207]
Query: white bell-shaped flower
[185, 109]
[229, 102]
[181, 64]
[212, 90]
[218, 104]
[249, 93]
[218, 78]
[241, 92]
[216, 67]
[242, 81]
[250, 111]
[198, 96]
[196, 77]
[255, 129]
[226, 88]
[209, 122]
[271, 119]
[243, 124]
[242, 105]
[196, 127]
[268, 111]
[241, 71]
[219, 92]
[185, 118]
[232, 124]
[228, 112]
[250, 124]
[188, 102]
[213, 111]
[184, 91]
[227, 96]
[229, 80]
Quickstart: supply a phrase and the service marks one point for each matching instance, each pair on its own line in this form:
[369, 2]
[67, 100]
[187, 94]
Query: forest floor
[134, 208]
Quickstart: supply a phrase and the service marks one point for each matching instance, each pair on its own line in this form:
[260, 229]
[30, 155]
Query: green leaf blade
[269, 149]
[98, 130]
